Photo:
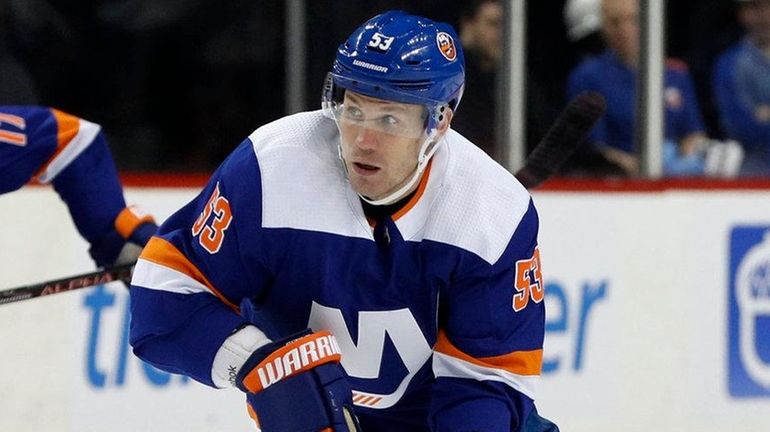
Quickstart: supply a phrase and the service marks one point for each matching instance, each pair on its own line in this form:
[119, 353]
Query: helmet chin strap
[427, 149]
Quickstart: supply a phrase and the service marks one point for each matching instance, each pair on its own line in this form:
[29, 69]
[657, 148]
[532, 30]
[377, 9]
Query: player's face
[755, 17]
[620, 27]
[485, 31]
[380, 143]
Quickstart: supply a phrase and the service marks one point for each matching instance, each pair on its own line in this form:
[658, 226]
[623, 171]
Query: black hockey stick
[567, 133]
[558, 144]
[85, 280]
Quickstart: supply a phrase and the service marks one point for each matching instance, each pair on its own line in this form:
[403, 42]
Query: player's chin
[366, 187]
[368, 192]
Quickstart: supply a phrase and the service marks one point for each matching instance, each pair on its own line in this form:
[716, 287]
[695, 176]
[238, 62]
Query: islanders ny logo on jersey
[389, 350]
[749, 312]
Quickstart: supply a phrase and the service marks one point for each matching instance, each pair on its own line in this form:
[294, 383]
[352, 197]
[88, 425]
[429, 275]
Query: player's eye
[389, 120]
[353, 113]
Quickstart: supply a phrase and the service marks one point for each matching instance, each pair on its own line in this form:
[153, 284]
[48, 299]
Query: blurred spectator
[174, 81]
[742, 87]
[481, 36]
[698, 32]
[481, 32]
[584, 19]
[613, 74]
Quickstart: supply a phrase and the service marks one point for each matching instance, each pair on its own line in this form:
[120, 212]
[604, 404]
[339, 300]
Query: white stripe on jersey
[480, 204]
[303, 180]
[153, 276]
[87, 131]
[448, 366]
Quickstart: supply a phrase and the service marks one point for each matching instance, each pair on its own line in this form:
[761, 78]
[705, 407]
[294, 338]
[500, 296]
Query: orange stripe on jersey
[14, 120]
[15, 138]
[67, 127]
[128, 219]
[366, 400]
[162, 252]
[369, 400]
[517, 362]
[420, 190]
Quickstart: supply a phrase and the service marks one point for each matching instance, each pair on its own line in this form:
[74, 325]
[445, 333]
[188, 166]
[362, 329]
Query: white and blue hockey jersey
[438, 309]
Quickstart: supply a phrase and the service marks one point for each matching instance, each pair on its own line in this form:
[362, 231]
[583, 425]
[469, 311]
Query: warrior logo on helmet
[446, 45]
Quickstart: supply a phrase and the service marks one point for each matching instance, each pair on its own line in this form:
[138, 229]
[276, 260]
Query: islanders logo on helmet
[446, 44]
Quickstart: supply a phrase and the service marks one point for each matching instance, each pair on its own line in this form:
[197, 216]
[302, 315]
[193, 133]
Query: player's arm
[488, 355]
[205, 263]
[189, 282]
[48, 146]
[739, 112]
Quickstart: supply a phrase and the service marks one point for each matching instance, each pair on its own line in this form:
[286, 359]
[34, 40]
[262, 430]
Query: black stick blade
[566, 134]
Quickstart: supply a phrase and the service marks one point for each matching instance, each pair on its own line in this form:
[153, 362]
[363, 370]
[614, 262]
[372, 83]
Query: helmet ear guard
[331, 96]
[436, 116]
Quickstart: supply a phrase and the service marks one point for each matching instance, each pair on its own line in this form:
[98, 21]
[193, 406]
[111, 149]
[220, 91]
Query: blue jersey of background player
[45, 145]
[409, 253]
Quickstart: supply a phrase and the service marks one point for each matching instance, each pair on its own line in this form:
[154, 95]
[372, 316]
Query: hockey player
[49, 146]
[364, 254]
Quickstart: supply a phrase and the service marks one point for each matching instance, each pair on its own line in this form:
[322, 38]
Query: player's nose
[366, 138]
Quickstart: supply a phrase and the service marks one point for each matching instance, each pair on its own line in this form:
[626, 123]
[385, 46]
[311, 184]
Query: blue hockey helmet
[403, 58]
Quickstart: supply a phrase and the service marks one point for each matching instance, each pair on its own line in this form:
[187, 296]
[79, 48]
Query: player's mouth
[365, 169]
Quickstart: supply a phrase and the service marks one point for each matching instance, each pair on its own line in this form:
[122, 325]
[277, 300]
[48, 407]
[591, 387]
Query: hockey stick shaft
[566, 134]
[85, 280]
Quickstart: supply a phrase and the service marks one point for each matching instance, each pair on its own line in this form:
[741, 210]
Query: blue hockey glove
[132, 230]
[296, 384]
